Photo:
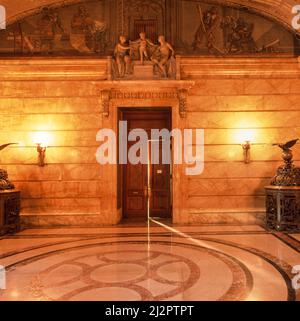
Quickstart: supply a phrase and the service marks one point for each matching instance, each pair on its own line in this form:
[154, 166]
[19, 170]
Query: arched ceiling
[280, 10]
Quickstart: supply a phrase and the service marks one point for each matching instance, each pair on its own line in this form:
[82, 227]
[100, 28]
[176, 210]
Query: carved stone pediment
[146, 90]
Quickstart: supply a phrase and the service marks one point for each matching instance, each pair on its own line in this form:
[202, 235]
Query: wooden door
[135, 177]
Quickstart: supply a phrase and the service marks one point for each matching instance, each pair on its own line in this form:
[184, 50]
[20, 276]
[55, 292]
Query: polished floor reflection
[155, 262]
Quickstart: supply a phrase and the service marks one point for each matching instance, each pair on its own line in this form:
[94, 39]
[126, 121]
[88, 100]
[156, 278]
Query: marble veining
[189, 263]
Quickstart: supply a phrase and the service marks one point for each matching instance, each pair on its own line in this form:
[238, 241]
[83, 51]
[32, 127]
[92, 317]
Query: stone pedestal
[9, 212]
[143, 71]
[283, 207]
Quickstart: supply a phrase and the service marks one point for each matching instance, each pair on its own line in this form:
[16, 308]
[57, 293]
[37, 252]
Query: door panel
[135, 182]
[135, 177]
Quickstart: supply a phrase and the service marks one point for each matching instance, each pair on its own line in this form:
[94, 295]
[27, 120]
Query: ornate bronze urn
[9, 203]
[283, 195]
[288, 174]
[5, 184]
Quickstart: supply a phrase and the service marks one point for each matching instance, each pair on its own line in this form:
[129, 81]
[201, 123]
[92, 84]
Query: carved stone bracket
[105, 97]
[146, 90]
[182, 98]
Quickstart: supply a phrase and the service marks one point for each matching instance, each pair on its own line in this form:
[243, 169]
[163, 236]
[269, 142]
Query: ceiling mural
[93, 27]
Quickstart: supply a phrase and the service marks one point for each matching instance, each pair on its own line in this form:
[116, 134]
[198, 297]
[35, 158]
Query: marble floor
[154, 262]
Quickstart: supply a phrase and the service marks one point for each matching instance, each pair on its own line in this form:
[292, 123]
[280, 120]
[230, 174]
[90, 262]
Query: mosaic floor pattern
[187, 263]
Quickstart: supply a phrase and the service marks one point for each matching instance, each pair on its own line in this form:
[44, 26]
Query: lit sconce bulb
[42, 155]
[42, 140]
[246, 136]
[247, 155]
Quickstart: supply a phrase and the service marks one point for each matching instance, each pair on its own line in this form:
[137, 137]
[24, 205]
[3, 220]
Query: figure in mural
[57, 24]
[209, 22]
[87, 34]
[164, 58]
[238, 35]
[228, 25]
[48, 32]
[244, 31]
[122, 58]
[144, 46]
[79, 30]
[98, 32]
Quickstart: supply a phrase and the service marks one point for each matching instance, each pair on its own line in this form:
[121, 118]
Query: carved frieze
[176, 91]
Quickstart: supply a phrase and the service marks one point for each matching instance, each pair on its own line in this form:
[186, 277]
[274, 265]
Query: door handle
[150, 191]
[147, 191]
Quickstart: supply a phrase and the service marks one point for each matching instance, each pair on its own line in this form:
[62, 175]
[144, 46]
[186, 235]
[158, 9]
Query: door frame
[121, 168]
[148, 95]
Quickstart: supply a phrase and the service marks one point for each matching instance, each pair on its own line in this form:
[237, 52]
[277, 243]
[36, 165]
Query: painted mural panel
[74, 29]
[216, 29]
[93, 27]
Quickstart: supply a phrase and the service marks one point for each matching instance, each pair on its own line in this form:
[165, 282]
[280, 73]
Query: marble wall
[66, 104]
[269, 106]
[70, 113]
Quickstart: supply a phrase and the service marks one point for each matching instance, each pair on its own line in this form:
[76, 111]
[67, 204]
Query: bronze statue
[122, 57]
[288, 174]
[5, 184]
[287, 146]
[144, 46]
[163, 58]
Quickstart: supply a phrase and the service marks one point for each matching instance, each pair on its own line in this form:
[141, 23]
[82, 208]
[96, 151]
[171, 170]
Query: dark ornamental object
[288, 174]
[5, 184]
[283, 196]
[9, 203]
[9, 212]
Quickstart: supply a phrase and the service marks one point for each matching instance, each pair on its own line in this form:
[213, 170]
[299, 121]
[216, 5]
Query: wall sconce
[246, 150]
[246, 136]
[42, 141]
[42, 154]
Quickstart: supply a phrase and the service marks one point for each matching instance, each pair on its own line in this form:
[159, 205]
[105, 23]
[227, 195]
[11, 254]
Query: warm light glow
[15, 294]
[42, 138]
[21, 144]
[245, 135]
